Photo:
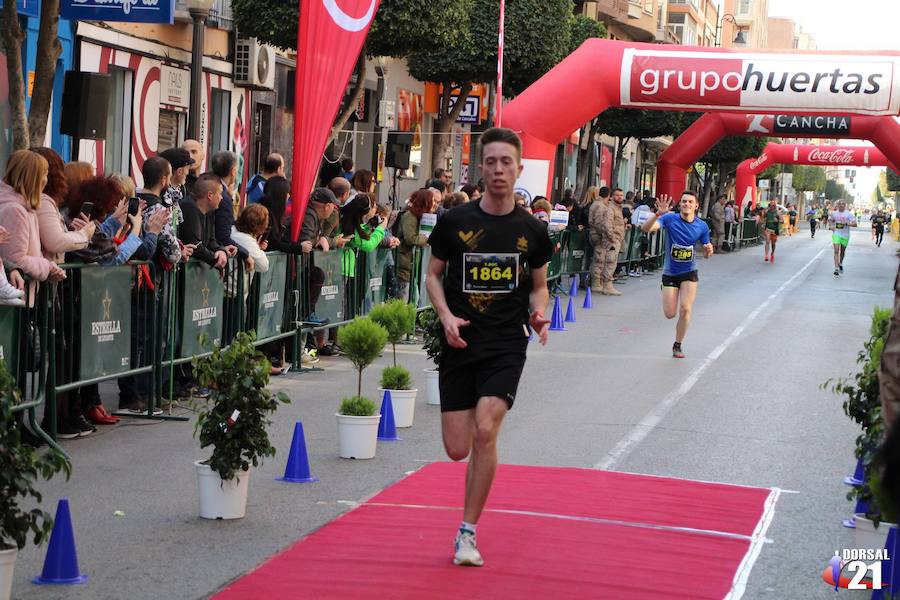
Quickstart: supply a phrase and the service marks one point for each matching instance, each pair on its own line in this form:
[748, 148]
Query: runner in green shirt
[773, 219]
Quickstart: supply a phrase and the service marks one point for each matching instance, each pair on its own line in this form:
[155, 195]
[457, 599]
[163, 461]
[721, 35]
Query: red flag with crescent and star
[330, 35]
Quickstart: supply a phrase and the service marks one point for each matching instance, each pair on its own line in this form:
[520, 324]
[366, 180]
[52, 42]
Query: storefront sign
[27, 8]
[105, 321]
[174, 87]
[132, 11]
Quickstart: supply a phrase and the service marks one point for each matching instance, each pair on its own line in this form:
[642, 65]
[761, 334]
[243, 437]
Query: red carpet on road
[563, 532]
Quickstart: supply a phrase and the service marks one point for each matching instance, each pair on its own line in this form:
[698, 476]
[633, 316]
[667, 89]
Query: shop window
[117, 149]
[219, 114]
[171, 129]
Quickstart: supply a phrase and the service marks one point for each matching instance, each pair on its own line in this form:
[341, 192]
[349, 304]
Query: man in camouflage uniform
[607, 233]
[717, 218]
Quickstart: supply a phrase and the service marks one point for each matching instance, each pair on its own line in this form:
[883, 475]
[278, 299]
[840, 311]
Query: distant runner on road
[812, 215]
[772, 219]
[680, 277]
[879, 221]
[840, 221]
[495, 287]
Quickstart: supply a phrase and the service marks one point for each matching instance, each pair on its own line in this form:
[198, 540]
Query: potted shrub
[862, 404]
[20, 467]
[360, 340]
[399, 319]
[233, 421]
[433, 338]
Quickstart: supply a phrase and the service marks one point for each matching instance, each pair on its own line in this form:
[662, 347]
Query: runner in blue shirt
[679, 280]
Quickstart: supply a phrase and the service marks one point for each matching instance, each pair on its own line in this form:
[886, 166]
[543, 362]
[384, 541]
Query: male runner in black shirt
[495, 287]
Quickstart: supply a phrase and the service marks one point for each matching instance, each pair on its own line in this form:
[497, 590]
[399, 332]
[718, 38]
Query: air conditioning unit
[254, 64]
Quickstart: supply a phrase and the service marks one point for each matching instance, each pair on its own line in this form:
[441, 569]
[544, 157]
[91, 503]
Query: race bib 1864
[682, 253]
[490, 273]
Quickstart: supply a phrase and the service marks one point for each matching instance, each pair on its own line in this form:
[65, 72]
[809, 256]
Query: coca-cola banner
[330, 35]
[820, 82]
[802, 154]
[812, 154]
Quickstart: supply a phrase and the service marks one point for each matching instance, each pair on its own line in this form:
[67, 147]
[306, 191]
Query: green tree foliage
[361, 340]
[20, 467]
[836, 191]
[398, 318]
[893, 181]
[583, 28]
[237, 377]
[735, 148]
[400, 27]
[809, 178]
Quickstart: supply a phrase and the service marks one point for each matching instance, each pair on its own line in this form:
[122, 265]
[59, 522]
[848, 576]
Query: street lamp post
[739, 39]
[199, 11]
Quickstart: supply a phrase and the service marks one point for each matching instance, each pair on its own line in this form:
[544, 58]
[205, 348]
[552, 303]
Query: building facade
[750, 19]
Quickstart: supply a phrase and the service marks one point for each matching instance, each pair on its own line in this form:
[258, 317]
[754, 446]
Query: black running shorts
[675, 281]
[472, 373]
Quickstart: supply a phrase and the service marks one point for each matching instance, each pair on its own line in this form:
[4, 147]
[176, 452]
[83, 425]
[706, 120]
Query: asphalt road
[744, 407]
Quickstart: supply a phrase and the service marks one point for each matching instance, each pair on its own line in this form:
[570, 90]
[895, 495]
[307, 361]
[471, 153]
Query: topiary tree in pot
[360, 340]
[235, 418]
[20, 467]
[399, 319]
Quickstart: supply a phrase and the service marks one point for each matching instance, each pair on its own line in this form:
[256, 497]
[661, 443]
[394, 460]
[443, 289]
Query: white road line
[753, 539]
[739, 583]
[641, 430]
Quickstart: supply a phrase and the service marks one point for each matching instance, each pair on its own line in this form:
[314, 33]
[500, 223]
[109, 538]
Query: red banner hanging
[330, 35]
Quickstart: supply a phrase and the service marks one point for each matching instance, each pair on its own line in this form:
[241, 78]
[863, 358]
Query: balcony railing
[220, 15]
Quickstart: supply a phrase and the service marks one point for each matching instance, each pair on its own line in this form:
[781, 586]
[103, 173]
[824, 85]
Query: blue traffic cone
[573, 288]
[861, 508]
[556, 321]
[858, 476]
[570, 311]
[61, 562]
[387, 429]
[890, 568]
[588, 302]
[297, 469]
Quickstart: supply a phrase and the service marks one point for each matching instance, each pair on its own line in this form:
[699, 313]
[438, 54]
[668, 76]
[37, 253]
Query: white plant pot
[432, 387]
[357, 436]
[404, 405]
[7, 565]
[218, 501]
[867, 535]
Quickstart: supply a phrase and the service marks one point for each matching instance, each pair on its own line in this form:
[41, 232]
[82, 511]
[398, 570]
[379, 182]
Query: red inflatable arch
[605, 73]
[802, 154]
[705, 132]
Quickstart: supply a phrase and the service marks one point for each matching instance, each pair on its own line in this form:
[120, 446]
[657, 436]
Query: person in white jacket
[251, 224]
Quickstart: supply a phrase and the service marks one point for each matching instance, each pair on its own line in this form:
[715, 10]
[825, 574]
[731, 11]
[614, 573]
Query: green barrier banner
[105, 318]
[555, 267]
[9, 334]
[577, 253]
[202, 310]
[418, 295]
[376, 264]
[271, 296]
[331, 302]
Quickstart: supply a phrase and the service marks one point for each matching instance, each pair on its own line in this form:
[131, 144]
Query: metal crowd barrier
[139, 324]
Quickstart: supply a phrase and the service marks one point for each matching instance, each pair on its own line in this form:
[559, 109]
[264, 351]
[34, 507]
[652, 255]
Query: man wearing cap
[321, 205]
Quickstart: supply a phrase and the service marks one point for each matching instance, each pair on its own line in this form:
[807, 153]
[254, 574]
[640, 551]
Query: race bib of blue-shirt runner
[682, 253]
[839, 225]
[490, 273]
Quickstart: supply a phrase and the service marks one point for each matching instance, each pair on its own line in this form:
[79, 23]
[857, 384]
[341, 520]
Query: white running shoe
[11, 295]
[308, 358]
[466, 552]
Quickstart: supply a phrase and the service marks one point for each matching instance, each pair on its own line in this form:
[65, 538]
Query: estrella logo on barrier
[860, 574]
